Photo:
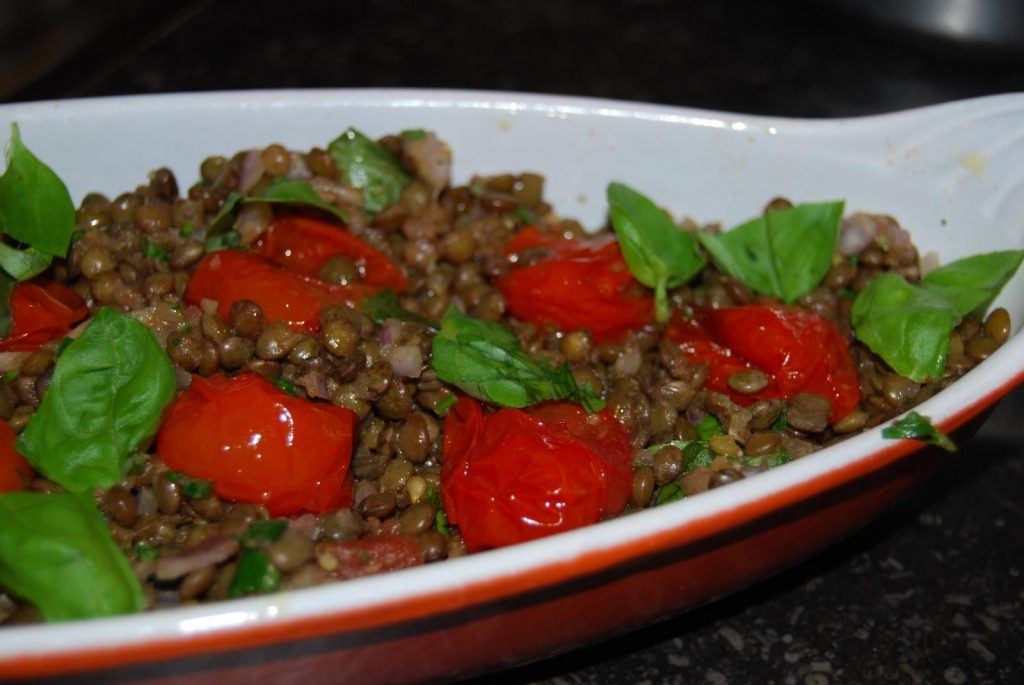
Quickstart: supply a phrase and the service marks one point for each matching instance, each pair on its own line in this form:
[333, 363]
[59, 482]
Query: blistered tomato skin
[303, 245]
[582, 283]
[798, 351]
[41, 311]
[519, 475]
[15, 472]
[260, 445]
[231, 275]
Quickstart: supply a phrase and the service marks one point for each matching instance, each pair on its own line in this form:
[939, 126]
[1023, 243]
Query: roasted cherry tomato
[797, 350]
[354, 558]
[15, 472]
[581, 283]
[41, 311]
[231, 275]
[303, 245]
[518, 475]
[260, 445]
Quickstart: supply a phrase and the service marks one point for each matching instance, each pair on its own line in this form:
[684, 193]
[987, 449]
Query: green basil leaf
[108, 390]
[906, 325]
[369, 166]
[524, 215]
[697, 454]
[769, 460]
[145, 552]
[659, 254]
[668, 493]
[970, 284]
[194, 488]
[913, 426]
[56, 551]
[386, 305]
[909, 325]
[6, 319]
[254, 575]
[433, 498]
[654, 449]
[289, 192]
[485, 360]
[220, 232]
[261, 533]
[154, 252]
[35, 206]
[708, 427]
[228, 240]
[785, 253]
[286, 385]
[22, 264]
[442, 407]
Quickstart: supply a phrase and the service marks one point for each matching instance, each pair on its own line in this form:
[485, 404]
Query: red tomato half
[304, 244]
[797, 350]
[260, 445]
[15, 472]
[519, 475]
[355, 558]
[231, 275]
[583, 283]
[41, 311]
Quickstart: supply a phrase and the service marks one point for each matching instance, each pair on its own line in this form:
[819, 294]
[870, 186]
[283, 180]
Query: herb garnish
[56, 552]
[485, 360]
[669, 492]
[913, 426]
[659, 254]
[433, 498]
[785, 253]
[287, 191]
[254, 574]
[37, 214]
[369, 166]
[386, 305]
[909, 325]
[109, 388]
[193, 488]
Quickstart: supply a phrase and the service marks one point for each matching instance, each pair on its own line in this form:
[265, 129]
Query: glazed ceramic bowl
[951, 174]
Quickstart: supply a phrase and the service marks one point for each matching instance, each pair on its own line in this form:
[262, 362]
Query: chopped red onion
[406, 360]
[252, 170]
[211, 551]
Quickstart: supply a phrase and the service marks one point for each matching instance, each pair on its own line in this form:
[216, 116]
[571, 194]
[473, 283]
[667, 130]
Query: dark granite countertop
[932, 592]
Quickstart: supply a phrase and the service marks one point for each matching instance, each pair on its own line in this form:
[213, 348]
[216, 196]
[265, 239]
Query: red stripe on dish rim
[288, 630]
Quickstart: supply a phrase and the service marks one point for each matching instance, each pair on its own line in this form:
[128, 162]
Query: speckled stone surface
[933, 591]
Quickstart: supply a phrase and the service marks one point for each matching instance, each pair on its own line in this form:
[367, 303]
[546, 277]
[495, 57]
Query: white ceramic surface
[951, 174]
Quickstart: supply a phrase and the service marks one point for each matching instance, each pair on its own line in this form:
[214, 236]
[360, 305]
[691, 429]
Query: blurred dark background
[930, 593]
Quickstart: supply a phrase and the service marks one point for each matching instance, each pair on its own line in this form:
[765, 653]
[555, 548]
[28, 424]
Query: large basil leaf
[369, 166]
[785, 253]
[659, 254]
[109, 388]
[288, 192]
[909, 325]
[35, 206]
[485, 360]
[22, 264]
[970, 284]
[56, 552]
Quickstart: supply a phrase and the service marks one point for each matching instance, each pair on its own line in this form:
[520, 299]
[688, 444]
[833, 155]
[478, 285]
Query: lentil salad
[646, 398]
